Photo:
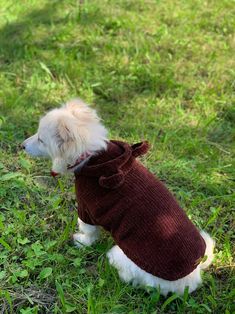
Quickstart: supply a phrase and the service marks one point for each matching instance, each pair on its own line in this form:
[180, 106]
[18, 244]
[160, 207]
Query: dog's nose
[22, 146]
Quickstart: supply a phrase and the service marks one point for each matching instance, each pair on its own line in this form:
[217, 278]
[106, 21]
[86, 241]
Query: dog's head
[66, 133]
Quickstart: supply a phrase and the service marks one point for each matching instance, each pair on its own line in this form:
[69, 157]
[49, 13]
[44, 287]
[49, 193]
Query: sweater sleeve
[83, 213]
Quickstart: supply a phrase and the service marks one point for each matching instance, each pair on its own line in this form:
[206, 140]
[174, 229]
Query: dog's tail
[209, 253]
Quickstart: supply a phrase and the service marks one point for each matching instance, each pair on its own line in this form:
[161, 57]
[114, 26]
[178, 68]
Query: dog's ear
[66, 143]
[64, 133]
[67, 134]
[71, 135]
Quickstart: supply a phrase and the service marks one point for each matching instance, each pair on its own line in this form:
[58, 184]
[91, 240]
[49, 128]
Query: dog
[156, 244]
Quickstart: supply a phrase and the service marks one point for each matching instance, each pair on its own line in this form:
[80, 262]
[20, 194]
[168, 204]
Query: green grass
[156, 70]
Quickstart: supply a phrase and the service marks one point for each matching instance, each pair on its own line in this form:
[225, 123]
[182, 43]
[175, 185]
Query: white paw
[81, 239]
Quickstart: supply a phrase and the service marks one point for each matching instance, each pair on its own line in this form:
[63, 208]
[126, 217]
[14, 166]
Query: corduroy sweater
[115, 191]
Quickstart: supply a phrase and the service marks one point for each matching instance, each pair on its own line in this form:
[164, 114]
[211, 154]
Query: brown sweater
[117, 192]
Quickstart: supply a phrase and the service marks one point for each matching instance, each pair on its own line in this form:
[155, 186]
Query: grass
[156, 70]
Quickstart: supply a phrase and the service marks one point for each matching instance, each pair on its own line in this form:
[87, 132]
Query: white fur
[210, 244]
[68, 132]
[87, 236]
[130, 272]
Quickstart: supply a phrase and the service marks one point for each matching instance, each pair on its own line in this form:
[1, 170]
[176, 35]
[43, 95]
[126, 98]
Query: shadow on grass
[18, 43]
[14, 37]
[17, 37]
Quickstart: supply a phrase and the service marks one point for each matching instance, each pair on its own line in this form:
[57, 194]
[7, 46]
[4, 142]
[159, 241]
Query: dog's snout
[23, 146]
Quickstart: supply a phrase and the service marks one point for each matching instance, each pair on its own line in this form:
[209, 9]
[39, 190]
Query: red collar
[80, 159]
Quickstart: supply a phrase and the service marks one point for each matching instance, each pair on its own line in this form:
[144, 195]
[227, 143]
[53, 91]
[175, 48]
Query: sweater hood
[111, 165]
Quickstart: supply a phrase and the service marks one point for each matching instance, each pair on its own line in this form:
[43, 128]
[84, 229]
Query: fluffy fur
[63, 135]
[66, 133]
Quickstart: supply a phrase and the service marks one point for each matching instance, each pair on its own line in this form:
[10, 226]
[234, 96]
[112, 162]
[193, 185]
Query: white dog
[70, 136]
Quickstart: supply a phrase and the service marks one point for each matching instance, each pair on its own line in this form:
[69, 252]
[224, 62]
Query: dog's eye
[40, 140]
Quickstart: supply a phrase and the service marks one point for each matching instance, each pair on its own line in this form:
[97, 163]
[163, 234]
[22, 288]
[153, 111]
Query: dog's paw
[81, 239]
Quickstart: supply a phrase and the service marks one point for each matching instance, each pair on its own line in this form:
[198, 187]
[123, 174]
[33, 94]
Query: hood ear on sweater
[112, 182]
[139, 149]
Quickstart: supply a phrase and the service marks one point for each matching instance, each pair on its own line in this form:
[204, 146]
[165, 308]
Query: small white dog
[71, 136]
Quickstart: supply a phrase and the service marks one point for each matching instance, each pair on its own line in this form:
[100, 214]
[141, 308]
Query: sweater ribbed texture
[115, 191]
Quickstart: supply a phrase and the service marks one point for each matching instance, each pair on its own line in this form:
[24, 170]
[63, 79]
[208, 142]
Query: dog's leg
[87, 236]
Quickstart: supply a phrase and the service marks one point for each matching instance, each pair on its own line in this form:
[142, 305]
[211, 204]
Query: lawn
[157, 70]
